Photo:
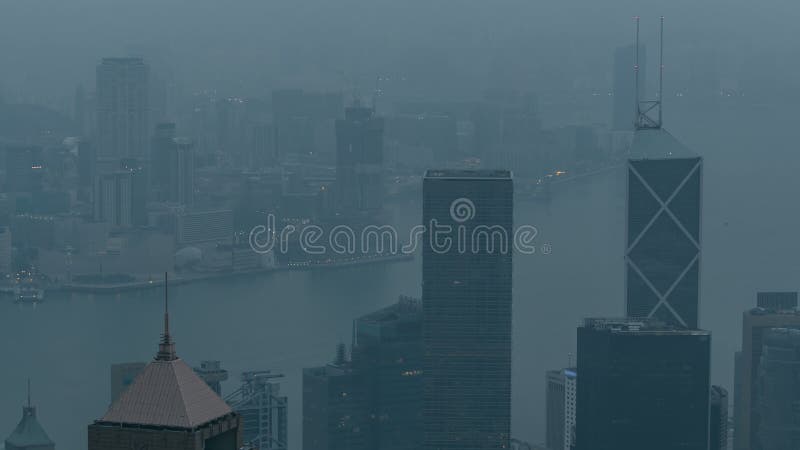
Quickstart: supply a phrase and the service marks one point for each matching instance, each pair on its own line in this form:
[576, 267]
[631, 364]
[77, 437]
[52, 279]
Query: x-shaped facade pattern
[663, 253]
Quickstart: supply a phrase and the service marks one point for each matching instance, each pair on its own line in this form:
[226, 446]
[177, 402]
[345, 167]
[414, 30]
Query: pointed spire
[166, 349]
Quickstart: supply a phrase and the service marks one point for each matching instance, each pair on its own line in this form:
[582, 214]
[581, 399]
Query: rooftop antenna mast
[645, 108]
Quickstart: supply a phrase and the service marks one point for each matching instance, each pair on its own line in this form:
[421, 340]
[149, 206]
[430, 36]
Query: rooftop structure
[167, 402]
[29, 433]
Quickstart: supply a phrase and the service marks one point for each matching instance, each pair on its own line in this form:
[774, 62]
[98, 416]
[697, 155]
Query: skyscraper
[120, 198]
[642, 385]
[29, 433]
[774, 310]
[624, 103]
[213, 374]
[555, 412]
[166, 407]
[718, 420]
[122, 107]
[359, 160]
[263, 410]
[778, 391]
[560, 409]
[662, 256]
[374, 400]
[466, 290]
[388, 352]
[335, 407]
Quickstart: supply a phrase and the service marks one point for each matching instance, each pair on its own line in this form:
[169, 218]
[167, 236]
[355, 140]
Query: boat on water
[28, 294]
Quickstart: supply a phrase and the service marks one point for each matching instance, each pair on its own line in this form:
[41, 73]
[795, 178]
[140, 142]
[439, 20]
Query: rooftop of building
[468, 174]
[639, 326]
[167, 394]
[405, 307]
[29, 432]
[658, 143]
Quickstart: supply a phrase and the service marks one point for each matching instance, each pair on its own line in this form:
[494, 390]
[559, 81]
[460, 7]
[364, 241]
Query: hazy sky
[48, 46]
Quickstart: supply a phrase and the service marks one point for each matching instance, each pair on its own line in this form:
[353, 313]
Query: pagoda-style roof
[167, 394]
[29, 432]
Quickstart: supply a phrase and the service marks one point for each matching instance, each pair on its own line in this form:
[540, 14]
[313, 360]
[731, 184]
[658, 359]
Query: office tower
[166, 407]
[662, 256]
[213, 374]
[29, 433]
[388, 353]
[120, 198]
[6, 252]
[466, 295]
[642, 385]
[24, 169]
[139, 182]
[359, 160]
[122, 375]
[560, 409]
[181, 167]
[570, 399]
[718, 420]
[161, 147]
[554, 409]
[87, 163]
[172, 165]
[260, 145]
[263, 410]
[204, 226]
[778, 391]
[774, 310]
[335, 407]
[122, 107]
[624, 104]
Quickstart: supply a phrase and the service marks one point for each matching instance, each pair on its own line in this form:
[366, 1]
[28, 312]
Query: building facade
[555, 409]
[466, 293]
[388, 352]
[642, 385]
[359, 160]
[167, 407]
[718, 420]
[662, 256]
[122, 107]
[773, 310]
[779, 391]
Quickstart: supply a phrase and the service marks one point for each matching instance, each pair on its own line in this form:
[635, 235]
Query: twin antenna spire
[166, 349]
[648, 112]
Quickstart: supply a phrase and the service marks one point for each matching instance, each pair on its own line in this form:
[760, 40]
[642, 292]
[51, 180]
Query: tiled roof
[167, 394]
[29, 433]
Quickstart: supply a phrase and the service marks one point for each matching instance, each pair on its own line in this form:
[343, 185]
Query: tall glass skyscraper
[466, 289]
[662, 257]
[122, 107]
[642, 385]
